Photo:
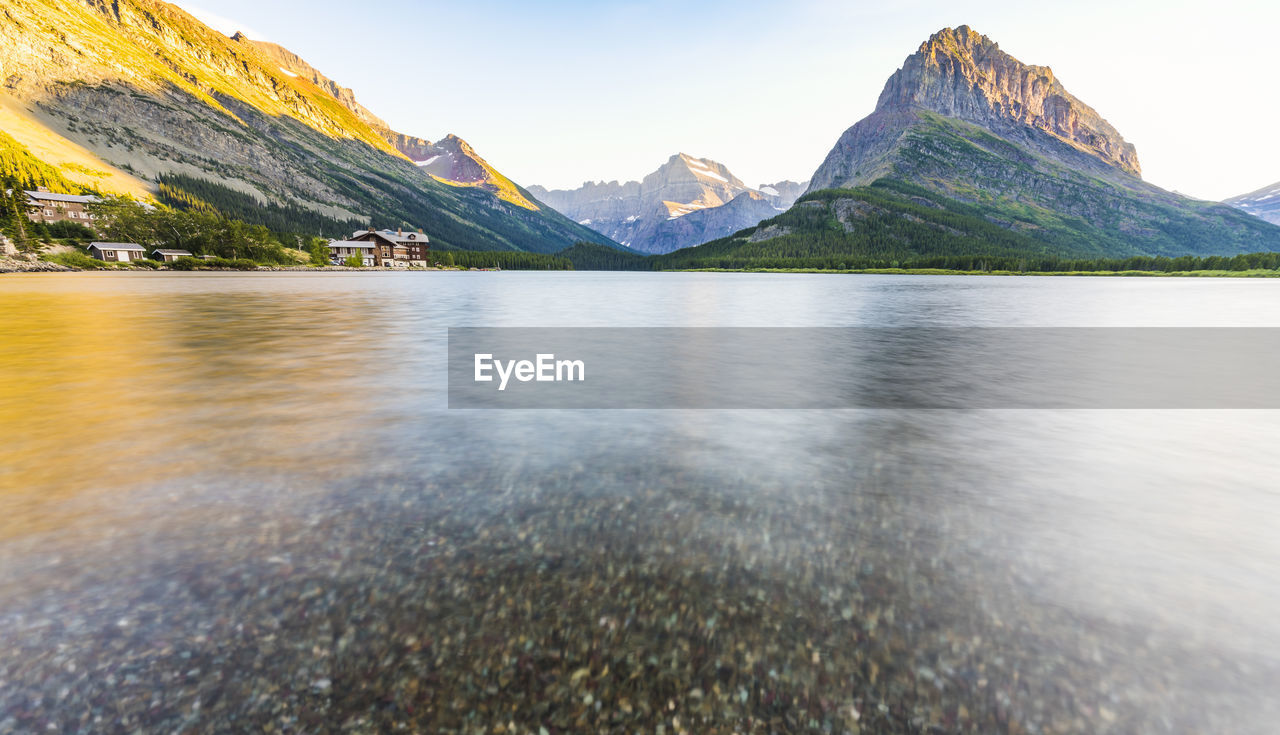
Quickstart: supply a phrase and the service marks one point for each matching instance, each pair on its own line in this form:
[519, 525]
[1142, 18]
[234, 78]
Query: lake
[239, 502]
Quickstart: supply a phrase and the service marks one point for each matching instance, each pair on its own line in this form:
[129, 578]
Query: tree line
[505, 259]
[120, 219]
[192, 194]
[17, 163]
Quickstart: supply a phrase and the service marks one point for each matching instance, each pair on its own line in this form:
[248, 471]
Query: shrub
[198, 264]
[76, 260]
[68, 229]
[186, 264]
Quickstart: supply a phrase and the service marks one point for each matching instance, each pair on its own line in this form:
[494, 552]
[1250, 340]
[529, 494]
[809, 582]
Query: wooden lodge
[47, 207]
[396, 249]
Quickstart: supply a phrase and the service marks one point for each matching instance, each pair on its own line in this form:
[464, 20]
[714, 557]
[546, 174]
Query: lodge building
[386, 249]
[47, 207]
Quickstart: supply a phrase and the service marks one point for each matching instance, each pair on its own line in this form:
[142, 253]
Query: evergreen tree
[319, 251]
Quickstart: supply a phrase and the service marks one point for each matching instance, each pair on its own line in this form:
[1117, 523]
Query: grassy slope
[1086, 210]
[889, 221]
[66, 160]
[16, 161]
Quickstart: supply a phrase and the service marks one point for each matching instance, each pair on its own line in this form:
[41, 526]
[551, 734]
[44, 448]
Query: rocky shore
[19, 264]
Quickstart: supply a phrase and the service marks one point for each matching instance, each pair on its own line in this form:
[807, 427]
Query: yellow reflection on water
[108, 392]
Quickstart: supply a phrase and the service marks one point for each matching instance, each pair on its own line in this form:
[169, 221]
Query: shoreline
[20, 265]
[947, 272]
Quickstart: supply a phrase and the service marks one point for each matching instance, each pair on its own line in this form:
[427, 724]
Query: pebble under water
[255, 540]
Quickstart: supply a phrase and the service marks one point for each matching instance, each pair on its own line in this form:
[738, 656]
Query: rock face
[965, 119]
[141, 86]
[1264, 203]
[704, 225]
[962, 74]
[649, 216]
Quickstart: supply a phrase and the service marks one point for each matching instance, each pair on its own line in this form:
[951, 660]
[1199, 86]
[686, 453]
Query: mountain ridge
[652, 215]
[465, 166]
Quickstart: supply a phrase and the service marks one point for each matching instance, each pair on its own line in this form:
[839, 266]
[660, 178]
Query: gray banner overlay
[791, 368]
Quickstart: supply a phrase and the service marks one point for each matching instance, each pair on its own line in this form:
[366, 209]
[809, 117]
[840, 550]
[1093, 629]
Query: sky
[558, 93]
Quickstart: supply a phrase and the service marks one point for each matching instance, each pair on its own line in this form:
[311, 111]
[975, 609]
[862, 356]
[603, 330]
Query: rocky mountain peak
[705, 170]
[963, 74]
[686, 201]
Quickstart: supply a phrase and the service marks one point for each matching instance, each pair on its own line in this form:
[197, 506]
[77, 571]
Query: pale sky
[557, 93]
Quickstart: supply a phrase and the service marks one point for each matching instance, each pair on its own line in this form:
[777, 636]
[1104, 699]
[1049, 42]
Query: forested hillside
[886, 224]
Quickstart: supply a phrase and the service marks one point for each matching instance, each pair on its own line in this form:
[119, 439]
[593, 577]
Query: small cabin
[168, 256]
[117, 252]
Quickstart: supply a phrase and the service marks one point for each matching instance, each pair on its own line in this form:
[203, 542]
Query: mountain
[971, 123]
[127, 95]
[451, 160]
[653, 215]
[1264, 203]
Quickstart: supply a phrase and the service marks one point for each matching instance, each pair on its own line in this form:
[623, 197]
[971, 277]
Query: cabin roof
[69, 198]
[395, 238]
[118, 246]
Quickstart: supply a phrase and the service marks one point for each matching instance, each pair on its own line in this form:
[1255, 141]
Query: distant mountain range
[1264, 203]
[123, 95]
[685, 202]
[138, 97]
[965, 138]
